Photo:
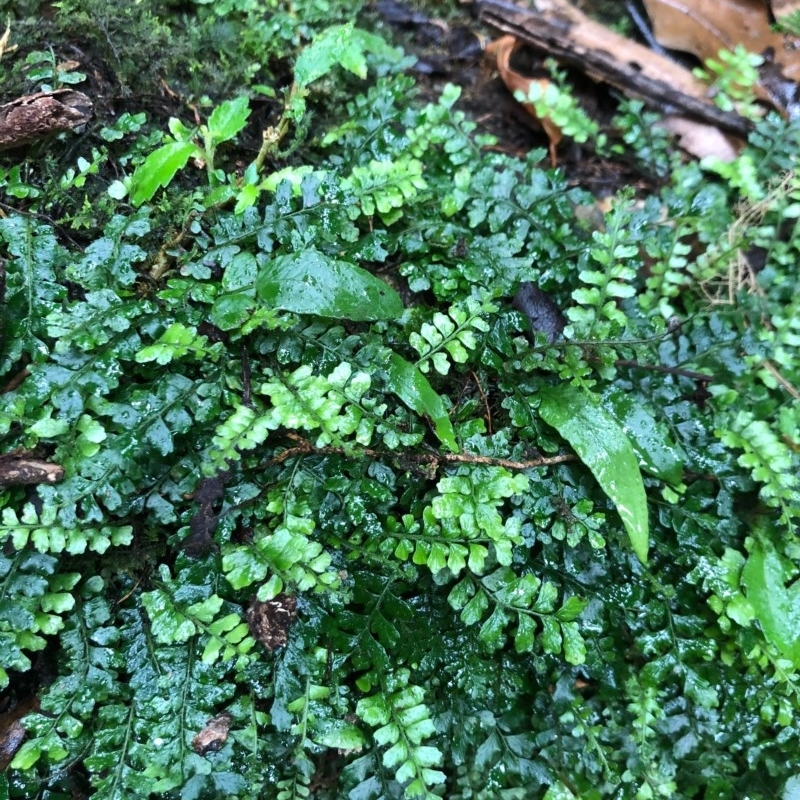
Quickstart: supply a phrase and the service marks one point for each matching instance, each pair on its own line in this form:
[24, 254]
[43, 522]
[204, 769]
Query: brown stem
[432, 459]
[686, 373]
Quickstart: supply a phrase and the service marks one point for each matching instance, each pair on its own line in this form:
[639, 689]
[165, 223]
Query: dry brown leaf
[500, 51]
[704, 27]
[701, 140]
[213, 735]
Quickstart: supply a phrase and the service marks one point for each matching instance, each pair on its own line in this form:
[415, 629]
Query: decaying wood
[36, 116]
[21, 469]
[561, 30]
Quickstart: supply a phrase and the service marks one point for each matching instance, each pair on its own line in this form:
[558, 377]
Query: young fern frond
[300, 401]
[403, 721]
[43, 531]
[769, 460]
[384, 188]
[451, 337]
[173, 622]
[41, 598]
[287, 554]
[178, 341]
[615, 253]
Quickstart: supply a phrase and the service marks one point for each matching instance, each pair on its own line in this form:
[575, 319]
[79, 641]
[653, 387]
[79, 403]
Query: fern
[62, 728]
[34, 600]
[528, 600]
[332, 522]
[300, 401]
[450, 337]
[177, 341]
[768, 459]
[226, 637]
[616, 254]
[288, 553]
[384, 187]
[46, 535]
[402, 722]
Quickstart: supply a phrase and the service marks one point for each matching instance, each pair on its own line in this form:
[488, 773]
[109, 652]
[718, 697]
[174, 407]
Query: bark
[36, 116]
[562, 31]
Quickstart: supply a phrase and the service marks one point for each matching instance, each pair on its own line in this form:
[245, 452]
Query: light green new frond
[403, 721]
[48, 535]
[287, 553]
[223, 637]
[451, 337]
[769, 460]
[615, 253]
[330, 403]
[242, 430]
[384, 188]
[39, 596]
[178, 341]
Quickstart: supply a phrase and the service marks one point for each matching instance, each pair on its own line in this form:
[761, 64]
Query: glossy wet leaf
[607, 452]
[342, 45]
[228, 118]
[657, 452]
[413, 388]
[776, 605]
[310, 282]
[158, 169]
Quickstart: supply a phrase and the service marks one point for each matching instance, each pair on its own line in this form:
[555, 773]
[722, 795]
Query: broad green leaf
[342, 45]
[322, 54]
[653, 445]
[231, 311]
[313, 283]
[776, 605]
[158, 169]
[228, 118]
[413, 388]
[607, 452]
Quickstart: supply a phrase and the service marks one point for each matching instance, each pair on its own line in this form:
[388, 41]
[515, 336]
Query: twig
[686, 373]
[773, 370]
[644, 30]
[247, 391]
[15, 381]
[305, 448]
[485, 401]
[162, 260]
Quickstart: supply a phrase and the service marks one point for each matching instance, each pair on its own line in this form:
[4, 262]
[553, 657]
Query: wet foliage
[338, 518]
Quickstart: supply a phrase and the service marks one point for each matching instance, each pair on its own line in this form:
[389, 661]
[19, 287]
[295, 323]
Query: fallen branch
[18, 470]
[559, 29]
[37, 116]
